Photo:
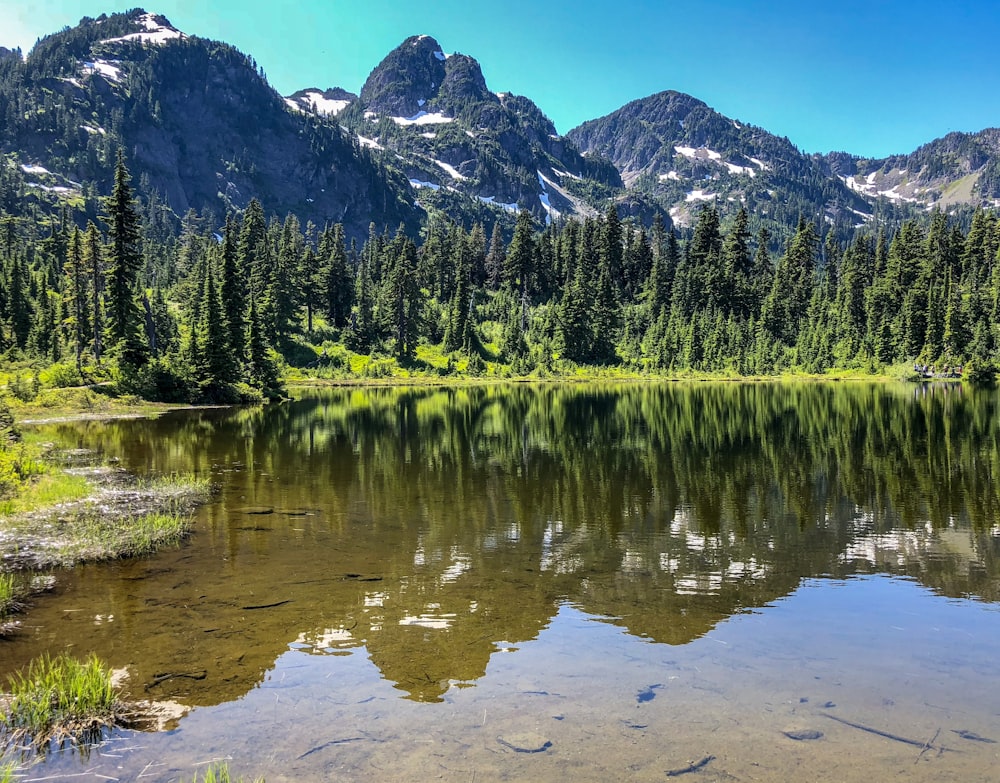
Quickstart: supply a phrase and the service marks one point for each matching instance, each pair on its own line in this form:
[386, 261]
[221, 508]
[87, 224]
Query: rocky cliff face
[199, 123]
[454, 137]
[961, 168]
[677, 149]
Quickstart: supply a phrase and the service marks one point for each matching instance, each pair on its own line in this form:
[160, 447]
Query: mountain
[200, 125]
[203, 130]
[961, 168]
[438, 120]
[676, 148]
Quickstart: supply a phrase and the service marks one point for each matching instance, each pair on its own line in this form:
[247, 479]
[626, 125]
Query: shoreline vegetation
[59, 508]
[198, 312]
[61, 700]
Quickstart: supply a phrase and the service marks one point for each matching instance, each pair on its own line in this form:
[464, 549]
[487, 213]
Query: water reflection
[436, 528]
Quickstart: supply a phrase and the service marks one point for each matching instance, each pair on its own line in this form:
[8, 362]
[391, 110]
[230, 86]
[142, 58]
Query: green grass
[60, 698]
[48, 488]
[100, 537]
[217, 773]
[8, 595]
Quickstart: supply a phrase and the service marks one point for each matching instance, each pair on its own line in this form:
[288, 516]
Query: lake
[754, 582]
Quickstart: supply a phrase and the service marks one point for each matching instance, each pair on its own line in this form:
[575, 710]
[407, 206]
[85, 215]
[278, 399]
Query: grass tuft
[11, 594]
[47, 489]
[97, 537]
[217, 773]
[60, 698]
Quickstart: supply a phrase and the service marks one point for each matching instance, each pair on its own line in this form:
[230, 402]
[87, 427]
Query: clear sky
[870, 77]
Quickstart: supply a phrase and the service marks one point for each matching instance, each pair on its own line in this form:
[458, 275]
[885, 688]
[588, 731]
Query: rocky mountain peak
[407, 79]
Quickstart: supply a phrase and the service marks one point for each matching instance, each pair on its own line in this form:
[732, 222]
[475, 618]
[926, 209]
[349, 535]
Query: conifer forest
[221, 312]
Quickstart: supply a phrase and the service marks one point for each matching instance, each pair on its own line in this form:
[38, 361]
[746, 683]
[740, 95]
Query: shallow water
[534, 583]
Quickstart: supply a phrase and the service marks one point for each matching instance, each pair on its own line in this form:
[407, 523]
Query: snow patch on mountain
[418, 183]
[700, 195]
[423, 118]
[109, 69]
[155, 32]
[704, 153]
[543, 197]
[327, 106]
[670, 175]
[512, 207]
[736, 169]
[452, 171]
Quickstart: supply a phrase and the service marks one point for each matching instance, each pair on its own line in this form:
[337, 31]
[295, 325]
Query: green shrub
[157, 381]
[59, 376]
[380, 368]
[475, 366]
[24, 387]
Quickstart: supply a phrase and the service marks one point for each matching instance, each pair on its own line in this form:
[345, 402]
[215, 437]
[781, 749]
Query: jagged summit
[452, 134]
[407, 79]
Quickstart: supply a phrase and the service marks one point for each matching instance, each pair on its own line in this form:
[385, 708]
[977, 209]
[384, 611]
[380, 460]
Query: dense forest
[221, 313]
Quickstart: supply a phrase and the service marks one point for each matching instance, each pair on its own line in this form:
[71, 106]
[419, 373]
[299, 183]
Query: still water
[754, 582]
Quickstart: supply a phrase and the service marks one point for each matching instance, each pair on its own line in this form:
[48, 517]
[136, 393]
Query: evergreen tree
[19, 305]
[737, 265]
[233, 288]
[611, 253]
[93, 260]
[338, 280]
[403, 299]
[496, 259]
[460, 330]
[519, 263]
[261, 370]
[216, 365]
[124, 316]
[76, 299]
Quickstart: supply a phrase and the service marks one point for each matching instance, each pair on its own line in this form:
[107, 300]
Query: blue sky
[873, 78]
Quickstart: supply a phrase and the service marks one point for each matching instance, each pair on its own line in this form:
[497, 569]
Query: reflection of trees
[664, 507]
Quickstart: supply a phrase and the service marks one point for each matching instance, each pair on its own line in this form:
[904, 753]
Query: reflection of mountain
[438, 527]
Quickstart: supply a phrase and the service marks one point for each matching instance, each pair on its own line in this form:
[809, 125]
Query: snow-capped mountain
[453, 136]
[201, 128]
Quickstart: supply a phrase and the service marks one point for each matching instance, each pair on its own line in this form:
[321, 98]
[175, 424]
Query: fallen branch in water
[158, 678]
[887, 735]
[266, 606]
[333, 742]
[927, 746]
[673, 773]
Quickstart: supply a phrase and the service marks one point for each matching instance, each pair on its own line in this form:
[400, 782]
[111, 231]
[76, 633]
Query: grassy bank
[431, 366]
[104, 515]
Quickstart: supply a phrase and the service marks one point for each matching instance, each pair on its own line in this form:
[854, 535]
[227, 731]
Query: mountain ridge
[425, 135]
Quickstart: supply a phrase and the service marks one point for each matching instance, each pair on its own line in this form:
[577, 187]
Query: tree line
[215, 313]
